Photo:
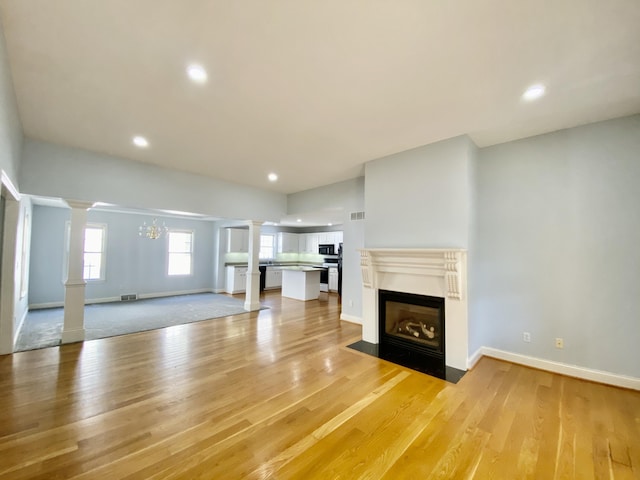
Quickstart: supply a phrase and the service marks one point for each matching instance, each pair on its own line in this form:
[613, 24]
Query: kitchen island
[301, 283]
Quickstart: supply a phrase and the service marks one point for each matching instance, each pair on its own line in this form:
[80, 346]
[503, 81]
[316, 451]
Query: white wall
[421, 198]
[349, 197]
[133, 264]
[70, 173]
[557, 246]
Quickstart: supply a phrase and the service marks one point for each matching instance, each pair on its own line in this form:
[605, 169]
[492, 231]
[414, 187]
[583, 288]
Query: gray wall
[421, 198]
[348, 196]
[557, 246]
[14, 306]
[133, 264]
[47, 249]
[336, 196]
[10, 127]
[70, 173]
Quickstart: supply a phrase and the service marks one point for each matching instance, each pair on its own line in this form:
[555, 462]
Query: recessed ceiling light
[197, 73]
[140, 141]
[533, 92]
[272, 177]
[329, 224]
[299, 220]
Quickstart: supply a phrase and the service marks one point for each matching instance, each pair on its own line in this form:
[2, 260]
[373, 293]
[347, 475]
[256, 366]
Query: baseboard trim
[599, 376]
[173, 294]
[90, 301]
[351, 318]
[475, 358]
[16, 331]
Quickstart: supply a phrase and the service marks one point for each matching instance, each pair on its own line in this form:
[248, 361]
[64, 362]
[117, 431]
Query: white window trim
[274, 246]
[191, 255]
[24, 254]
[65, 257]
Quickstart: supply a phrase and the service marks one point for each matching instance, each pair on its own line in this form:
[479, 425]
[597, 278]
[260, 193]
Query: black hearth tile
[365, 347]
[450, 374]
[454, 375]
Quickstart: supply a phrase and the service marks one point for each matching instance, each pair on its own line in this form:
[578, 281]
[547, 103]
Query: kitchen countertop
[302, 268]
[279, 265]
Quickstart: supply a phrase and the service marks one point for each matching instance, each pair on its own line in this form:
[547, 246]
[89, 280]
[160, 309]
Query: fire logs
[415, 328]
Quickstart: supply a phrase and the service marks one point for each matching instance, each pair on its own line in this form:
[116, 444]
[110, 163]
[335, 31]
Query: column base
[252, 307]
[73, 336]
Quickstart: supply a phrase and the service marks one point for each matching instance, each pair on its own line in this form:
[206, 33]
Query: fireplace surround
[439, 273]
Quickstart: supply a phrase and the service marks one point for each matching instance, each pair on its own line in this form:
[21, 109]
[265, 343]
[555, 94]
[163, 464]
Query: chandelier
[153, 231]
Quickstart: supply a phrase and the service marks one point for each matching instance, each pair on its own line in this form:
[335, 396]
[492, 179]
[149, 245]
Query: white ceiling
[312, 90]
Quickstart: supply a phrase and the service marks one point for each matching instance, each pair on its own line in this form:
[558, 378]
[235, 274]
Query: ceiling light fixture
[140, 141]
[272, 177]
[299, 220]
[197, 73]
[153, 231]
[533, 92]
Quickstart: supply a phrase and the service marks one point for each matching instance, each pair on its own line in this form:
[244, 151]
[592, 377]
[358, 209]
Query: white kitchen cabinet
[288, 242]
[306, 246]
[312, 243]
[333, 279]
[237, 240]
[308, 243]
[302, 243]
[236, 279]
[333, 238]
[337, 239]
[273, 278]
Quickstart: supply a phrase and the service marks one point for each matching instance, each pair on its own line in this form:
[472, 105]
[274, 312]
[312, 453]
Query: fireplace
[439, 275]
[412, 331]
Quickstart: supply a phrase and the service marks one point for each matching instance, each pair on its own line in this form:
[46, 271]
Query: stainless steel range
[329, 262]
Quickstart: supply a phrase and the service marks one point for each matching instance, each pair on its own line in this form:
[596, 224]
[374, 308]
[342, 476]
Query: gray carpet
[43, 328]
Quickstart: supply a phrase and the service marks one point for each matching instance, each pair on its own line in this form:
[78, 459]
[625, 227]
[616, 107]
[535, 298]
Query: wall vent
[131, 296]
[357, 216]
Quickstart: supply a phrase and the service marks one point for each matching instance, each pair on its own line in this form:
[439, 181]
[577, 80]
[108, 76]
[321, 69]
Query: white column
[252, 297]
[370, 329]
[73, 329]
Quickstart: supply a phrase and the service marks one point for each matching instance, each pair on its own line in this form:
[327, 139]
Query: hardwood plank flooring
[276, 394]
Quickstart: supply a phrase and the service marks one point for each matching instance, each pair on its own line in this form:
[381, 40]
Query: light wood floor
[275, 394]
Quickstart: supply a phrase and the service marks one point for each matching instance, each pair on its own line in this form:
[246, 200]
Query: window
[95, 235]
[267, 246]
[180, 252]
[94, 252]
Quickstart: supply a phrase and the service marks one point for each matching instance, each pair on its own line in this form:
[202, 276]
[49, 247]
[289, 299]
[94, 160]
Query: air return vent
[131, 296]
[357, 216]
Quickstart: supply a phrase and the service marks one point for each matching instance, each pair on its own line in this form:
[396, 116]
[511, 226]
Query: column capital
[254, 223]
[79, 204]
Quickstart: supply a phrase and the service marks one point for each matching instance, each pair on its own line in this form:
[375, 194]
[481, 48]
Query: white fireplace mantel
[424, 271]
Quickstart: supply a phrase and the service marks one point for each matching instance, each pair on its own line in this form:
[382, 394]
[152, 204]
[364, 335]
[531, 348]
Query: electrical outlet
[526, 337]
[559, 343]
